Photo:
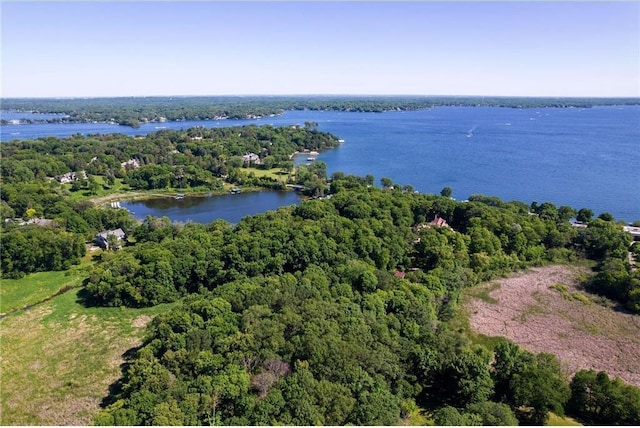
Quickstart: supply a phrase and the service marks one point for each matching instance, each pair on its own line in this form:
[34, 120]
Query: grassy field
[562, 421]
[102, 190]
[33, 288]
[275, 173]
[59, 358]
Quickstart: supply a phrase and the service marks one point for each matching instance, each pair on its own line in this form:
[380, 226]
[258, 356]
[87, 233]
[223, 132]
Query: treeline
[601, 240]
[181, 159]
[136, 110]
[39, 249]
[335, 312]
[614, 278]
[202, 159]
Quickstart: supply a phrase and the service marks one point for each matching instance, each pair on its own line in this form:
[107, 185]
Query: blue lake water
[576, 157]
[207, 209]
[568, 156]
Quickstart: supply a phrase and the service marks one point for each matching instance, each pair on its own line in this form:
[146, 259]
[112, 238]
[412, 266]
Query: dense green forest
[299, 316]
[133, 111]
[336, 311]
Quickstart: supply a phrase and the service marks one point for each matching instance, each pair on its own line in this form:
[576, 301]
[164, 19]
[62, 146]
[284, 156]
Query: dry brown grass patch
[535, 312]
[141, 321]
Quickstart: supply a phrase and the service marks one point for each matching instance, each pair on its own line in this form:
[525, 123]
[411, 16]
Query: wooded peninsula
[341, 310]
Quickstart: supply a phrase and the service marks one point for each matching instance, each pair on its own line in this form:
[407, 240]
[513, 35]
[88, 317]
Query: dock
[296, 187]
[634, 231]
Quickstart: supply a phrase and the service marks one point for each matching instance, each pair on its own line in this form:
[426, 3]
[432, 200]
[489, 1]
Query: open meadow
[59, 357]
[33, 288]
[543, 310]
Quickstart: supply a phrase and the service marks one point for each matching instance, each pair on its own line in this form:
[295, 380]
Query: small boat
[311, 159]
[179, 196]
[235, 191]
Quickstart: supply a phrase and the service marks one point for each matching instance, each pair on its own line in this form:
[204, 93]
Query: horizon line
[317, 95]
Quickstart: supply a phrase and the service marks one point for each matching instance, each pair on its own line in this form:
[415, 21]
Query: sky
[505, 48]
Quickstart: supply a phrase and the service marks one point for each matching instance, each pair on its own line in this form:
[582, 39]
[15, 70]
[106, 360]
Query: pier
[634, 231]
[296, 187]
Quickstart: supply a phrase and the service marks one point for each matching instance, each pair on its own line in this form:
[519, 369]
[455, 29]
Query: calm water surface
[577, 157]
[568, 156]
[207, 209]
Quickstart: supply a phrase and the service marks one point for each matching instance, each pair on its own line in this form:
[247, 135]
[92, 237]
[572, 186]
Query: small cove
[205, 209]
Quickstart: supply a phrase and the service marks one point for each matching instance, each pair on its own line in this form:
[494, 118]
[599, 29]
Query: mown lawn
[59, 357]
[275, 173]
[102, 190]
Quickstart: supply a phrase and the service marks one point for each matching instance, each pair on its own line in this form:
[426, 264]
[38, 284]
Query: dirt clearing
[542, 311]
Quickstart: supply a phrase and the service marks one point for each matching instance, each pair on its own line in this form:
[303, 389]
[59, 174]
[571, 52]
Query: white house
[70, 177]
[131, 163]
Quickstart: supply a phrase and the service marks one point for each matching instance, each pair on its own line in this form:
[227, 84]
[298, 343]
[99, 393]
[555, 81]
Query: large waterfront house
[131, 163]
[251, 158]
[102, 239]
[70, 177]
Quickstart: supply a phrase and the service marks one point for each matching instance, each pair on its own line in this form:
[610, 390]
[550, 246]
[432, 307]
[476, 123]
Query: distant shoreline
[136, 111]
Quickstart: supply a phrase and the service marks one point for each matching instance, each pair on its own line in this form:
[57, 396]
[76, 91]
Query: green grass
[460, 321]
[59, 357]
[275, 173]
[103, 189]
[18, 293]
[576, 295]
[563, 289]
[561, 421]
[564, 292]
[119, 190]
[483, 292]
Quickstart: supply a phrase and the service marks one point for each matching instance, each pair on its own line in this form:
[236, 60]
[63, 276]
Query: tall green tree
[540, 387]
